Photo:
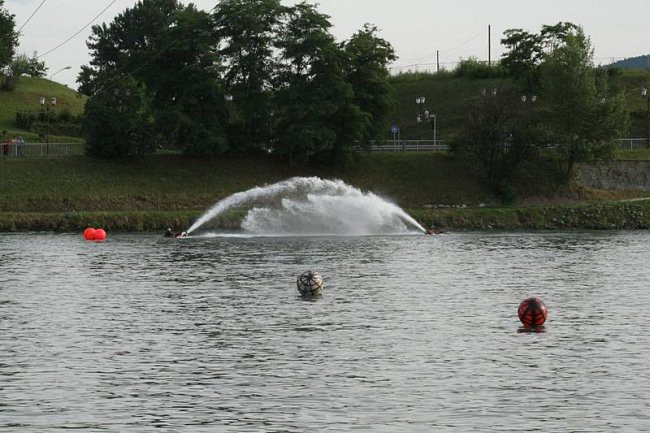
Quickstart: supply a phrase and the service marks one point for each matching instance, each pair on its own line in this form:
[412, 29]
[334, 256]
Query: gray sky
[416, 28]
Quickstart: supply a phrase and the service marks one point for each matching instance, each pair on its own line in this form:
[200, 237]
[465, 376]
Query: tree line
[248, 76]
[15, 65]
[559, 104]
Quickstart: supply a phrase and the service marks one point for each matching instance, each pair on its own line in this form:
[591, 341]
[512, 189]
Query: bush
[25, 120]
[476, 69]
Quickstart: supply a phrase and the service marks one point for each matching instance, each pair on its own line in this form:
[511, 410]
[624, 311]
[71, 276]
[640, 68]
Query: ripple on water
[412, 333]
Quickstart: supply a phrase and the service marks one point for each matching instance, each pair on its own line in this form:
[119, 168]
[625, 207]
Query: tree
[117, 121]
[246, 31]
[314, 95]
[525, 52]
[584, 119]
[22, 65]
[367, 57]
[168, 49]
[502, 133]
[8, 36]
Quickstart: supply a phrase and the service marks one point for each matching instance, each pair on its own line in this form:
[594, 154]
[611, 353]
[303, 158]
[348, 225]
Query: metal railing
[633, 143]
[405, 146]
[15, 150]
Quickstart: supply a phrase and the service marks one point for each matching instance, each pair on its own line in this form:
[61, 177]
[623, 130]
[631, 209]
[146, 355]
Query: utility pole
[437, 61]
[489, 45]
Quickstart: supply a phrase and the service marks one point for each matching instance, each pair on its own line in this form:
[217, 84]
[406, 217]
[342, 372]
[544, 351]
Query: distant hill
[639, 62]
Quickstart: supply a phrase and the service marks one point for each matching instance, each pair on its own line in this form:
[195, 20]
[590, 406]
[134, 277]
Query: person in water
[434, 231]
[170, 234]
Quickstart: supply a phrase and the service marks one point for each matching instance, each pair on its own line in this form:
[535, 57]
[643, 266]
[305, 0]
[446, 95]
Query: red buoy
[89, 234]
[100, 235]
[532, 312]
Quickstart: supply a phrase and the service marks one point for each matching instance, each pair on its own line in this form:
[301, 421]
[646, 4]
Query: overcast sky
[416, 28]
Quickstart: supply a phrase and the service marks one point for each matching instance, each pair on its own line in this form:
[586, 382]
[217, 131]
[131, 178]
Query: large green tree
[117, 121]
[168, 49]
[584, 117]
[525, 52]
[8, 36]
[314, 96]
[366, 70]
[246, 32]
[502, 133]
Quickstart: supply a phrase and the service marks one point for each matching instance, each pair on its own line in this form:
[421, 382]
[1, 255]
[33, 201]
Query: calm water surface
[413, 334]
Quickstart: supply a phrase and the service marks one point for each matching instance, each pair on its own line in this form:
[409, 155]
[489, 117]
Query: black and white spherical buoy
[310, 284]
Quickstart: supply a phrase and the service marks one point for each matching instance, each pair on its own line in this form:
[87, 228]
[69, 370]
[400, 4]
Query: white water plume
[312, 206]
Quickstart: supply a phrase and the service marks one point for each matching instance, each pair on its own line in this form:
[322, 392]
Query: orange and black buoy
[532, 312]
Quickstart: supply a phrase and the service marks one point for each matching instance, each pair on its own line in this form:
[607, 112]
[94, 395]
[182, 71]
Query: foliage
[8, 36]
[525, 52]
[367, 57]
[23, 66]
[313, 89]
[252, 75]
[246, 32]
[476, 69]
[117, 122]
[502, 133]
[583, 117]
[167, 49]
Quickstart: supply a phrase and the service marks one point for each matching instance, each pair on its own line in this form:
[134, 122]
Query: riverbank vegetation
[152, 192]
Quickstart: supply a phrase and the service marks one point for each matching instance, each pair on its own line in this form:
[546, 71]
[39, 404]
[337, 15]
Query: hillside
[446, 97]
[638, 62]
[449, 97]
[26, 98]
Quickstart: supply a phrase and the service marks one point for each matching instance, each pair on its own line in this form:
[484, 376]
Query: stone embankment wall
[619, 175]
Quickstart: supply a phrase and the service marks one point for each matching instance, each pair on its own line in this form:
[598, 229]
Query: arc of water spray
[310, 189]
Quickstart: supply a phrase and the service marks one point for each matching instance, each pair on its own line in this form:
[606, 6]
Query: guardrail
[633, 143]
[405, 146]
[15, 150]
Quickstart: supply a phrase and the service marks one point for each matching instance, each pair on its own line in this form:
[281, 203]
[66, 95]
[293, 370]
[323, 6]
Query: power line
[447, 50]
[77, 33]
[146, 63]
[463, 43]
[31, 16]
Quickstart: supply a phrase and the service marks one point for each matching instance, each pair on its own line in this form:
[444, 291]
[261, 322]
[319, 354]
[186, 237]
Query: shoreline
[628, 214]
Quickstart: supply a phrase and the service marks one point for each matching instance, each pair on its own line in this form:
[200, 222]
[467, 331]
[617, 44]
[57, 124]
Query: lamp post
[48, 106]
[435, 130]
[420, 101]
[60, 70]
[644, 94]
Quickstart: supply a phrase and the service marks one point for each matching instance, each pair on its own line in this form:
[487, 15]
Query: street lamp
[48, 107]
[420, 101]
[644, 94]
[60, 70]
[435, 131]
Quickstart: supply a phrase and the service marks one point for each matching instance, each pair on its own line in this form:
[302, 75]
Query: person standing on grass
[5, 144]
[20, 144]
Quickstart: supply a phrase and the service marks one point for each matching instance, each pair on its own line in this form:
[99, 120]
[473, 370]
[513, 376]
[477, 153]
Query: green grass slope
[445, 96]
[25, 97]
[174, 182]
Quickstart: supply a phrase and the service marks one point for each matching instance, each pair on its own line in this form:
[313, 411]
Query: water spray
[312, 206]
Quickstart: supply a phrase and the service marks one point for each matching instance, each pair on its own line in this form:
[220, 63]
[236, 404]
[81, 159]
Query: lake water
[413, 333]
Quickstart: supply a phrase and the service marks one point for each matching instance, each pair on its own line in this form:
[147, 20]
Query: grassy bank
[173, 182]
[151, 193]
[599, 216]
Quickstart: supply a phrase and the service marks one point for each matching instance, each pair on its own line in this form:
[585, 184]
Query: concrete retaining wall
[619, 175]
